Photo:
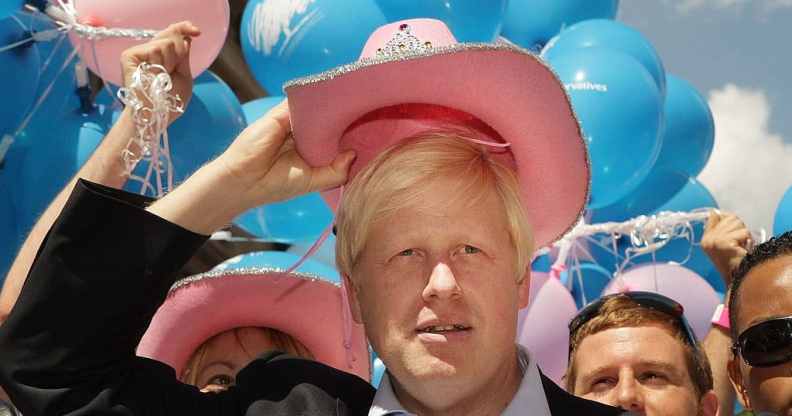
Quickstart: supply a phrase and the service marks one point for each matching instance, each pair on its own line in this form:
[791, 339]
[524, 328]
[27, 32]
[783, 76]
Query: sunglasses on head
[649, 300]
[766, 344]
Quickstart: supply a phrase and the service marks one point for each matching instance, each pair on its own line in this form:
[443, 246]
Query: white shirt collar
[530, 398]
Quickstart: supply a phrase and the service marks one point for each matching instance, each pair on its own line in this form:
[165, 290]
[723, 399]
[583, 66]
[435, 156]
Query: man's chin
[430, 366]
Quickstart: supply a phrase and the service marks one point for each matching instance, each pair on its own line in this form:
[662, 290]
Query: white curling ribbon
[647, 234]
[149, 96]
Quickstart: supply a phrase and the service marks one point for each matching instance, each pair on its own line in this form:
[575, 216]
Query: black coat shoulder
[280, 384]
[562, 403]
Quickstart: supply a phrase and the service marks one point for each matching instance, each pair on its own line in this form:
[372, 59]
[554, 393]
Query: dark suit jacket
[68, 346]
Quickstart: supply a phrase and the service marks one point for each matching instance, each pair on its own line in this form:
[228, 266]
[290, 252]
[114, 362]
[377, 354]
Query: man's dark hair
[769, 250]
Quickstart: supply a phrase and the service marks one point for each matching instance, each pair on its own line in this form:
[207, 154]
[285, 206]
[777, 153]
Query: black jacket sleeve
[68, 346]
[98, 278]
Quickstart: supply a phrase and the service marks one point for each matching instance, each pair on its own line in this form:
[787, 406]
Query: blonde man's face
[436, 289]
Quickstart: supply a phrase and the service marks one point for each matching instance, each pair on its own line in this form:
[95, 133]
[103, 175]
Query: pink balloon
[211, 16]
[679, 283]
[543, 329]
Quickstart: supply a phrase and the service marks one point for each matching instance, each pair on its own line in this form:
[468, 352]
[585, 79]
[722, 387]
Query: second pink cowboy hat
[413, 76]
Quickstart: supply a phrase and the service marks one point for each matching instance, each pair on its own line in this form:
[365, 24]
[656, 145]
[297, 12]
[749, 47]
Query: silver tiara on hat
[403, 43]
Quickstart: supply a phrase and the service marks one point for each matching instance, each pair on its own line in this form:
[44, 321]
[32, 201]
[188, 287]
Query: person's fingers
[169, 57]
[180, 35]
[332, 175]
[732, 222]
[280, 113]
[712, 220]
[179, 30]
[741, 237]
[182, 48]
[262, 140]
[274, 125]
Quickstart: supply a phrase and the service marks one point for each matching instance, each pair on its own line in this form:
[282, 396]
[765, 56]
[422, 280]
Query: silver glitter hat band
[257, 272]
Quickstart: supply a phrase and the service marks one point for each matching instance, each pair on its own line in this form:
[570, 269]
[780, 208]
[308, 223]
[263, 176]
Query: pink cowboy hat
[308, 307]
[413, 76]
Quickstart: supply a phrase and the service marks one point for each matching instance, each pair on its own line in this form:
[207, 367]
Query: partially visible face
[641, 369]
[437, 290]
[765, 293]
[226, 354]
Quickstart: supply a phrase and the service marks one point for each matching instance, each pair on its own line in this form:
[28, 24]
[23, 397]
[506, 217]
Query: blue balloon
[53, 156]
[656, 189]
[279, 260]
[298, 219]
[19, 73]
[282, 40]
[610, 34]
[620, 111]
[8, 7]
[210, 123]
[689, 133]
[542, 263]
[587, 282]
[469, 20]
[255, 109]
[531, 23]
[783, 215]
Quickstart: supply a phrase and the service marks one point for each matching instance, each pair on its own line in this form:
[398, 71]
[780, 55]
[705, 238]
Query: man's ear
[351, 294]
[709, 404]
[735, 376]
[524, 289]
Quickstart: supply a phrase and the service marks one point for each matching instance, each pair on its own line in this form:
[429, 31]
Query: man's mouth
[440, 329]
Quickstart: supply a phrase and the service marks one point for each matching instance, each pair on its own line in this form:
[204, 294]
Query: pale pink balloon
[103, 56]
[543, 325]
[677, 282]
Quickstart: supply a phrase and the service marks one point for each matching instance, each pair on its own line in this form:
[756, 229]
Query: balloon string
[8, 139]
[345, 306]
[45, 93]
[16, 44]
[52, 54]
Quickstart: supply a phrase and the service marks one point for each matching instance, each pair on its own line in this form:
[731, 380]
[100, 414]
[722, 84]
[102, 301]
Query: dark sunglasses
[649, 300]
[766, 344]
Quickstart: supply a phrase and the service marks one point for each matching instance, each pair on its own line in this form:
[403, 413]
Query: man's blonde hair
[398, 178]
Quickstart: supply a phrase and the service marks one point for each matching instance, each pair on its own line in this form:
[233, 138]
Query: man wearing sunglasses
[636, 350]
[760, 315]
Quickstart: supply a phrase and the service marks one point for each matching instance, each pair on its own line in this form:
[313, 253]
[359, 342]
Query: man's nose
[629, 395]
[442, 284]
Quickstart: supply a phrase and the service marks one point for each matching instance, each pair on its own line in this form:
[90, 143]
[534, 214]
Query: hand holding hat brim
[264, 162]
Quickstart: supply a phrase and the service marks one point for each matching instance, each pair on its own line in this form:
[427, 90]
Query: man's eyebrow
[596, 371]
[659, 365]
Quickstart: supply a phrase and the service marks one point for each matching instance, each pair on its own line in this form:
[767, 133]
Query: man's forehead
[766, 292]
[645, 346]
[628, 340]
